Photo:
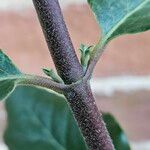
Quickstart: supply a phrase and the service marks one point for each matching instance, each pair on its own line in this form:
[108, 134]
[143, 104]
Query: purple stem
[80, 97]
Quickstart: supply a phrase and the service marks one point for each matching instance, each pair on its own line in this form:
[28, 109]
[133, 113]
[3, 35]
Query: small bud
[85, 55]
[51, 73]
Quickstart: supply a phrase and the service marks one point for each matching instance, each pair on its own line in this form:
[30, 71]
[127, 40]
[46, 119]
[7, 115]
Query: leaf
[8, 75]
[40, 120]
[117, 17]
[118, 136]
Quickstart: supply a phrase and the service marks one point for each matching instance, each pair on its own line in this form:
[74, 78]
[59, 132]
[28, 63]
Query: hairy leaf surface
[8, 75]
[117, 17]
[40, 120]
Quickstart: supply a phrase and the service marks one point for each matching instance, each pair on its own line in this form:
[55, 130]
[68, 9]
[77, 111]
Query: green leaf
[8, 75]
[117, 17]
[40, 120]
[118, 136]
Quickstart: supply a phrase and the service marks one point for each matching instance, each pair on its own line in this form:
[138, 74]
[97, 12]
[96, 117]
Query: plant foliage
[40, 119]
[121, 17]
[9, 75]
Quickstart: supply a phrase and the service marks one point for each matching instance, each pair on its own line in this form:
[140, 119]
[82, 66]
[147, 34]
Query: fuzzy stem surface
[58, 40]
[80, 97]
[34, 80]
[88, 117]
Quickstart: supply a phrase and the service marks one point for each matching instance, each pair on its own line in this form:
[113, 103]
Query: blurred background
[121, 80]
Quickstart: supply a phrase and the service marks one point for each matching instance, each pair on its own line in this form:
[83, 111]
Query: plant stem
[88, 117]
[97, 53]
[58, 40]
[42, 82]
[79, 96]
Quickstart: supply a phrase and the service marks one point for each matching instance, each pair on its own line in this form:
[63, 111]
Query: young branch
[42, 82]
[97, 53]
[79, 95]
